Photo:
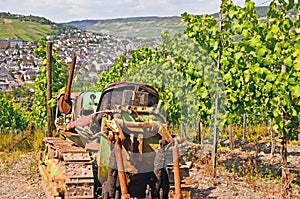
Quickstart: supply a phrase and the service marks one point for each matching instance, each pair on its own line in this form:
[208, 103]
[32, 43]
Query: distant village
[94, 53]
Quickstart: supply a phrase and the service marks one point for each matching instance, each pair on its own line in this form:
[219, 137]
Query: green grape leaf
[295, 90]
[288, 61]
[297, 64]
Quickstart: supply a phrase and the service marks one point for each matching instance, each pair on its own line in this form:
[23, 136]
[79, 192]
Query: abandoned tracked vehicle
[112, 144]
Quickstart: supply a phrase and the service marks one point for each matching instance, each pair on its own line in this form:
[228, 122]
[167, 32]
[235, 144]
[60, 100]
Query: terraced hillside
[24, 30]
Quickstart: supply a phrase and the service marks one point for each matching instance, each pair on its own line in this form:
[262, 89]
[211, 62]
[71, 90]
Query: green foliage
[13, 116]
[114, 74]
[59, 78]
[175, 67]
[252, 55]
[251, 67]
[23, 96]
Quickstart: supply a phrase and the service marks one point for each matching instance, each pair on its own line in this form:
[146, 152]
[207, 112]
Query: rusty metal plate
[79, 191]
[78, 171]
[76, 157]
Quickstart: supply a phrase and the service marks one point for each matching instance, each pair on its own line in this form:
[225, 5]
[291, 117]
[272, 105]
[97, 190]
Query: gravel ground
[241, 184]
[20, 179]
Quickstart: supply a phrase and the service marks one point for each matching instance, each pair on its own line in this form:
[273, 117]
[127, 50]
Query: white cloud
[77, 10]
[128, 1]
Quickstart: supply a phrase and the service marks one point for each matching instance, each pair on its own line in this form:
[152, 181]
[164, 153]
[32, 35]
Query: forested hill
[143, 27]
[29, 18]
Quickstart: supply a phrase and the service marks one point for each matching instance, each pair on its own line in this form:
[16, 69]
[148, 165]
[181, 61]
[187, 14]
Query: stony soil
[19, 177]
[246, 173]
[241, 174]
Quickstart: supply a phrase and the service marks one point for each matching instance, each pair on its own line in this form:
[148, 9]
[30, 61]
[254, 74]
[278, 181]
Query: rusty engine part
[112, 144]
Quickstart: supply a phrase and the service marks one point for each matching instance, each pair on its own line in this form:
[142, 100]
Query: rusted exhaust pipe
[64, 100]
[70, 78]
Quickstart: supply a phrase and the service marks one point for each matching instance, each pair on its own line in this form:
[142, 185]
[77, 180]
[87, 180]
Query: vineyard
[222, 70]
[229, 85]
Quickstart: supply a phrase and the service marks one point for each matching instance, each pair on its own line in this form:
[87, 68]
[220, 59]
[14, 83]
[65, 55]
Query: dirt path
[242, 174]
[19, 178]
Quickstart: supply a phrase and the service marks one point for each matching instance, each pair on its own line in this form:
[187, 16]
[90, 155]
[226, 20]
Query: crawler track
[66, 170]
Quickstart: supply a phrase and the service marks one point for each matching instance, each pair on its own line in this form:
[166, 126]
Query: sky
[72, 10]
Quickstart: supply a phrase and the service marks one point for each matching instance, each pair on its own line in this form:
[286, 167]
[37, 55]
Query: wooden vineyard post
[215, 142]
[244, 125]
[272, 137]
[231, 141]
[285, 178]
[201, 133]
[216, 104]
[49, 87]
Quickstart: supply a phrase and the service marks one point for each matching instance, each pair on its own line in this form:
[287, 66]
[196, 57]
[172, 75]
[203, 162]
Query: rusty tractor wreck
[112, 144]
